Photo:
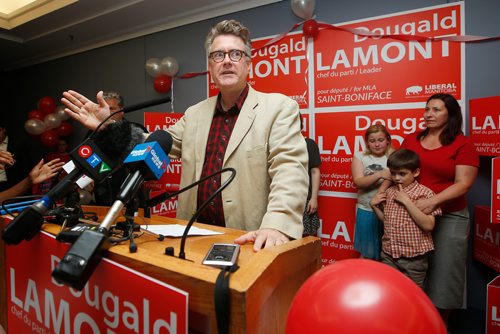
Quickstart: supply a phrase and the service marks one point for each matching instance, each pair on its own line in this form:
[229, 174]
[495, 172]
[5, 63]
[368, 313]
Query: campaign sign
[167, 208]
[484, 122]
[351, 69]
[493, 307]
[116, 299]
[495, 190]
[337, 217]
[171, 179]
[486, 248]
[340, 134]
[160, 120]
[280, 67]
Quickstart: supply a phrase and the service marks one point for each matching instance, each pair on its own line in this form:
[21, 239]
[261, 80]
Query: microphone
[27, 224]
[116, 140]
[89, 159]
[76, 267]
[145, 104]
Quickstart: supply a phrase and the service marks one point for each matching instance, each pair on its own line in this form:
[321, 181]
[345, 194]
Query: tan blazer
[268, 153]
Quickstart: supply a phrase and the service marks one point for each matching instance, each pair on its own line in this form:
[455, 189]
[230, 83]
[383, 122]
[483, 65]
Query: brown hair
[403, 159]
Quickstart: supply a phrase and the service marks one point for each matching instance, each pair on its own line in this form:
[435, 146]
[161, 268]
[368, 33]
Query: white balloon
[153, 67]
[34, 126]
[59, 112]
[303, 8]
[169, 66]
[51, 121]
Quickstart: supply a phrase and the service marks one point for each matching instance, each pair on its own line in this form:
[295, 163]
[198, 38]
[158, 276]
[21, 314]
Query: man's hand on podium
[263, 238]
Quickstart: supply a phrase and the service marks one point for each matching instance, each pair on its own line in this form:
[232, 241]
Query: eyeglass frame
[211, 55]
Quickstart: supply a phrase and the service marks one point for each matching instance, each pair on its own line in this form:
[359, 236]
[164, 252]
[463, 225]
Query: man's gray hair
[229, 27]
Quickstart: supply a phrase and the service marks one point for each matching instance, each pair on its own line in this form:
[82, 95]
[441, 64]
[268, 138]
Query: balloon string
[190, 75]
[172, 95]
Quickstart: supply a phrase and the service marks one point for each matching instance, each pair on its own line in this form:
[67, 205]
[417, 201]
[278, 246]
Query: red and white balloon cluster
[162, 71]
[305, 9]
[48, 122]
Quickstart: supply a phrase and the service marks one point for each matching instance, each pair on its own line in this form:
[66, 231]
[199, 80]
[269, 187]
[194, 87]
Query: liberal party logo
[414, 90]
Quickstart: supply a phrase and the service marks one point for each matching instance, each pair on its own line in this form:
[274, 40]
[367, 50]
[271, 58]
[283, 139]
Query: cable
[5, 207]
[182, 254]
[162, 197]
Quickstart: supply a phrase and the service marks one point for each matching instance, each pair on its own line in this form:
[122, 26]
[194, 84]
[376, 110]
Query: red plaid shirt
[218, 138]
[402, 236]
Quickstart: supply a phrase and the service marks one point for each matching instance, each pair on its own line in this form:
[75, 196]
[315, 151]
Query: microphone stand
[128, 226]
[162, 197]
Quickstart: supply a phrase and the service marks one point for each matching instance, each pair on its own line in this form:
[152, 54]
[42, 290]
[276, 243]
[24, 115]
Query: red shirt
[437, 166]
[218, 138]
[402, 236]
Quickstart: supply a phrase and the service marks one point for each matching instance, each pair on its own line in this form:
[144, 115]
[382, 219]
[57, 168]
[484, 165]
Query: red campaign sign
[485, 246]
[337, 228]
[115, 300]
[160, 120]
[495, 191]
[493, 307]
[283, 62]
[168, 208]
[172, 177]
[340, 134]
[355, 70]
[484, 122]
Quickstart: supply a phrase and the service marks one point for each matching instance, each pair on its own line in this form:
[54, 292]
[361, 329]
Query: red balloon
[36, 114]
[65, 129]
[47, 105]
[49, 138]
[359, 296]
[162, 83]
[310, 28]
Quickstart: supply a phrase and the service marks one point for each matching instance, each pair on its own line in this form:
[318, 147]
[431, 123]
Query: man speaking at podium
[257, 134]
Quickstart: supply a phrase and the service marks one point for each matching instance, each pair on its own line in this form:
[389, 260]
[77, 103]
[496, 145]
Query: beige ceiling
[14, 13]
[49, 29]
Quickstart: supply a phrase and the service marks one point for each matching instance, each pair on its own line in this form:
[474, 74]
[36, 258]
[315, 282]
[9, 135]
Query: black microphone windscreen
[117, 139]
[146, 104]
[163, 138]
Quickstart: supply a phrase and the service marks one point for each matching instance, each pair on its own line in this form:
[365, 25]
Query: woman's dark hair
[454, 126]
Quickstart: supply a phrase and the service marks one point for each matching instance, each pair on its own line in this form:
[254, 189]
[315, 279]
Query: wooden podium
[261, 290]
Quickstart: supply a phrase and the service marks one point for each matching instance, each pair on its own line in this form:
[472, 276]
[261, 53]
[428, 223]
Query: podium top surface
[150, 257]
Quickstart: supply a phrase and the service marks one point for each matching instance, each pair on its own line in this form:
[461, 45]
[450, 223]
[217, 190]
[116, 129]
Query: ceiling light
[14, 13]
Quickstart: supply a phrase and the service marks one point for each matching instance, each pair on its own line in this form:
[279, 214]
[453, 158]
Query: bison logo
[414, 90]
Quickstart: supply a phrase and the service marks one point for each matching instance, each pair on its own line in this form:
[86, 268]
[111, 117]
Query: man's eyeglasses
[234, 55]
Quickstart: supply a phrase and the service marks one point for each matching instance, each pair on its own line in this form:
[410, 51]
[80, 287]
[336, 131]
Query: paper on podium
[176, 230]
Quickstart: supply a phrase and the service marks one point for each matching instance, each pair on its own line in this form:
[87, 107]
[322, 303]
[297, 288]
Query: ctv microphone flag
[89, 157]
